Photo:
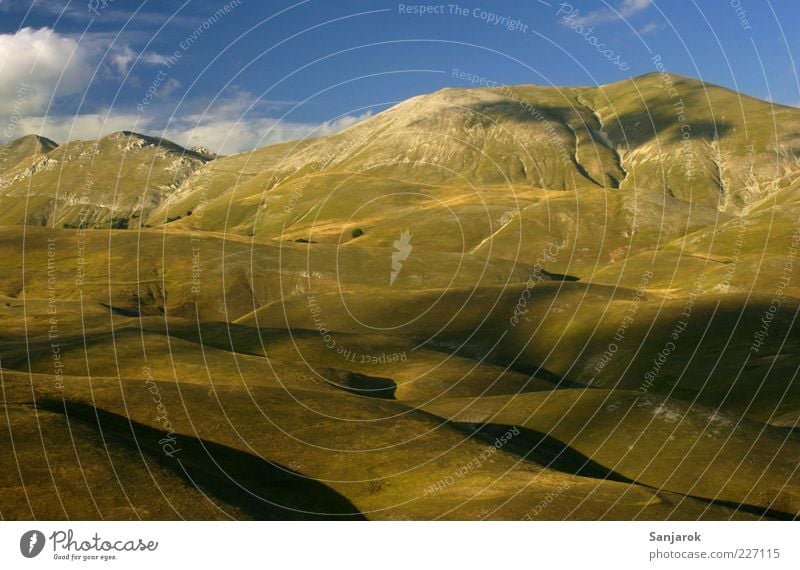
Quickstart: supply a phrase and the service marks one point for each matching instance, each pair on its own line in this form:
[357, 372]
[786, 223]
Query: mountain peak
[43, 143]
[656, 78]
[129, 135]
[22, 151]
[132, 140]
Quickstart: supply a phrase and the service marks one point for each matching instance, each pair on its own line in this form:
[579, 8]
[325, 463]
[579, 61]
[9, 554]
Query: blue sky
[237, 74]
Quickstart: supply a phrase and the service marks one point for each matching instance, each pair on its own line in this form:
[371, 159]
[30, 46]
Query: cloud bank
[40, 67]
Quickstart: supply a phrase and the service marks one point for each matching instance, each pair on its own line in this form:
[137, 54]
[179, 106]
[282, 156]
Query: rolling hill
[501, 303]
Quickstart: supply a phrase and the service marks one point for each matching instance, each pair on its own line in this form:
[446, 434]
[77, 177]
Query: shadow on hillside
[662, 120]
[544, 450]
[360, 384]
[641, 125]
[551, 453]
[560, 276]
[262, 489]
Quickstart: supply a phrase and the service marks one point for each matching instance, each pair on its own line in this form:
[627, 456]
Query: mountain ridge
[693, 140]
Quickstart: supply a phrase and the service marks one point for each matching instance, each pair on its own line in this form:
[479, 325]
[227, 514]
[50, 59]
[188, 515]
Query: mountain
[511, 303]
[660, 133]
[25, 150]
[114, 181]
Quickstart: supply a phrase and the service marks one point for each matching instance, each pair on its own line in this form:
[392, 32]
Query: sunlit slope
[223, 354]
[655, 441]
[697, 141]
[225, 176]
[581, 233]
[337, 326]
[446, 302]
[755, 251]
[217, 279]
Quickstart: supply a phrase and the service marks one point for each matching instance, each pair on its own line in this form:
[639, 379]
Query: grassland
[515, 303]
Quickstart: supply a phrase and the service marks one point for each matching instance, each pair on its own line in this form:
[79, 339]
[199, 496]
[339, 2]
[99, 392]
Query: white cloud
[650, 28]
[228, 136]
[40, 65]
[121, 57]
[223, 129]
[635, 5]
[37, 66]
[624, 10]
[170, 87]
[85, 126]
[153, 58]
[237, 123]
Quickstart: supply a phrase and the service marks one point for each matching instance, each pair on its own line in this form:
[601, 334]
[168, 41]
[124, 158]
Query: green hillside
[503, 303]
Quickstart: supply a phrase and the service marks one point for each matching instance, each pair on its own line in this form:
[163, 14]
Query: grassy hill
[24, 151]
[511, 303]
[112, 182]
